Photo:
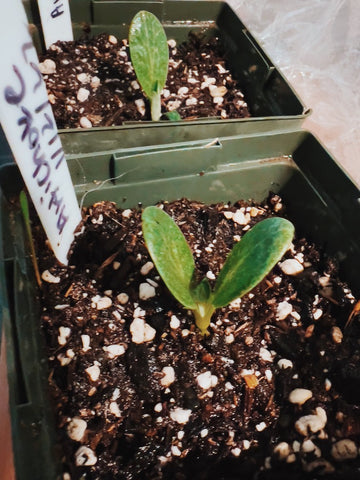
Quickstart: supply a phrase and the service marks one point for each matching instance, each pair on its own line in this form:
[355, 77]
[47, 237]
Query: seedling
[150, 57]
[24, 204]
[247, 264]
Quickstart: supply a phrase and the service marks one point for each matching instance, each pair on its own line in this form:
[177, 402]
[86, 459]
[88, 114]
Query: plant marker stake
[55, 21]
[29, 125]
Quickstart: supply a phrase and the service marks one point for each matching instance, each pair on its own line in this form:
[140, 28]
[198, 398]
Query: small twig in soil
[355, 311]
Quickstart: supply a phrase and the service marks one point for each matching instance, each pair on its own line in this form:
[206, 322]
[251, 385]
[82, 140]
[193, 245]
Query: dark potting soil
[272, 393]
[91, 82]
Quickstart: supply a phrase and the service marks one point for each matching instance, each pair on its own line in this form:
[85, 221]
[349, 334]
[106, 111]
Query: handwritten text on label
[55, 20]
[30, 128]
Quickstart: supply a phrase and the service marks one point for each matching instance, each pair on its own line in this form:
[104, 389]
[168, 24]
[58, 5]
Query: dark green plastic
[273, 103]
[321, 200]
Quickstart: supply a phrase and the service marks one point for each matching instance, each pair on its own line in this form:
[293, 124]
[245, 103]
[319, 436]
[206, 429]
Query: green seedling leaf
[24, 205]
[170, 254]
[173, 116]
[246, 265]
[252, 258]
[150, 57]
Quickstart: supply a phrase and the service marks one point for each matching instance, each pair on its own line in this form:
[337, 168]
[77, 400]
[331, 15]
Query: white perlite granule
[179, 415]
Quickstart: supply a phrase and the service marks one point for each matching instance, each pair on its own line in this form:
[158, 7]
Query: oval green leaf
[170, 253]
[149, 52]
[252, 258]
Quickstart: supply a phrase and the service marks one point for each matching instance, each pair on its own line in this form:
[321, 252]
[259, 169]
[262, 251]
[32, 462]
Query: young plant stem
[203, 315]
[25, 211]
[155, 103]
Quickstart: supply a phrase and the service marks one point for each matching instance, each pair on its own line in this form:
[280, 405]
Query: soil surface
[91, 82]
[272, 393]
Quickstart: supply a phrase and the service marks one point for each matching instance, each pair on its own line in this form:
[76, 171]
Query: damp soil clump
[91, 82]
[138, 392]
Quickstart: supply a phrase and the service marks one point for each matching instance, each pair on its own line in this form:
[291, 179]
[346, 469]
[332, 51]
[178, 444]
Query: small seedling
[24, 204]
[247, 264]
[150, 57]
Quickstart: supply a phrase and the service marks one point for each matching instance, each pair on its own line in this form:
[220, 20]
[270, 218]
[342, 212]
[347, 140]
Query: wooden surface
[6, 458]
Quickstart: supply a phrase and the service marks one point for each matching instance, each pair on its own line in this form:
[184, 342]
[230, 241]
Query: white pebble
[146, 291]
[268, 375]
[229, 338]
[140, 106]
[191, 101]
[175, 451]
[141, 332]
[83, 77]
[169, 376]
[218, 92]
[95, 82]
[174, 322]
[114, 409]
[313, 423]
[146, 268]
[102, 303]
[282, 450]
[260, 426]
[112, 40]
[204, 432]
[83, 94]
[64, 333]
[284, 363]
[85, 340]
[180, 415]
[210, 275]
[93, 372]
[344, 449]
[308, 446]
[300, 395]
[158, 407]
[173, 105]
[218, 100]
[76, 429]
[283, 310]
[171, 43]
[228, 386]
[116, 394]
[85, 457]
[241, 218]
[327, 384]
[291, 266]
[265, 355]
[183, 91]
[206, 380]
[122, 298]
[114, 351]
[47, 67]
[134, 84]
[127, 213]
[228, 215]
[49, 277]
[85, 122]
[246, 444]
[317, 314]
[236, 451]
[336, 334]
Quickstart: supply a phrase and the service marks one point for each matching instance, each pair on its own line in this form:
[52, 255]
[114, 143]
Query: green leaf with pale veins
[170, 253]
[251, 259]
[149, 52]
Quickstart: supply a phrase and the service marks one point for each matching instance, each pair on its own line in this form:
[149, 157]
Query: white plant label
[28, 122]
[55, 21]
